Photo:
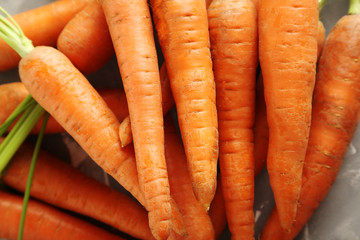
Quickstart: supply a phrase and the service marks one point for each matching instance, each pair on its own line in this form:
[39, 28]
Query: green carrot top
[354, 7]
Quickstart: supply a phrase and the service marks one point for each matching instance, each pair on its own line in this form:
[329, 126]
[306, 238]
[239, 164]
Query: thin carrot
[44, 222]
[68, 188]
[183, 34]
[217, 211]
[42, 25]
[336, 113]
[233, 36]
[11, 94]
[197, 221]
[86, 40]
[131, 31]
[167, 104]
[287, 51]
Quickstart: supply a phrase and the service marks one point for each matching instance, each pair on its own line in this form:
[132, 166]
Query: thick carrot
[167, 104]
[196, 219]
[217, 211]
[287, 51]
[320, 38]
[42, 25]
[86, 40]
[233, 37]
[11, 94]
[131, 31]
[68, 96]
[68, 188]
[44, 222]
[336, 113]
[183, 34]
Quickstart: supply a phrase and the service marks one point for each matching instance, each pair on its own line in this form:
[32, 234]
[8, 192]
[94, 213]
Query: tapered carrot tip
[159, 227]
[204, 193]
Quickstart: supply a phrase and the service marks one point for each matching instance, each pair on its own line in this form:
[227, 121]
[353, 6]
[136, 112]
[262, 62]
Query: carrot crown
[12, 34]
[354, 7]
[321, 5]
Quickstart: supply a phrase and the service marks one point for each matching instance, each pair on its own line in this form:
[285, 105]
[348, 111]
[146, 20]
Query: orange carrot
[42, 25]
[131, 31]
[320, 38]
[68, 188]
[11, 94]
[167, 104]
[196, 219]
[82, 112]
[217, 211]
[183, 34]
[336, 113]
[287, 51]
[44, 222]
[86, 41]
[233, 36]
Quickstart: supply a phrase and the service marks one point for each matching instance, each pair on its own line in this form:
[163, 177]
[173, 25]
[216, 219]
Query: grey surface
[338, 216]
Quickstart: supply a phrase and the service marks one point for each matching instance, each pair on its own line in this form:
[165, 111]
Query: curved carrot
[197, 221]
[167, 103]
[86, 40]
[336, 113]
[11, 94]
[68, 188]
[287, 51]
[320, 38]
[183, 34]
[131, 30]
[42, 25]
[233, 37]
[81, 111]
[44, 222]
[217, 211]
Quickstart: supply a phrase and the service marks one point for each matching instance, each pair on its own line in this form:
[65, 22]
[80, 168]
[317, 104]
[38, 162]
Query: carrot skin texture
[131, 30]
[287, 51]
[41, 25]
[167, 103]
[196, 219]
[336, 113]
[233, 37]
[183, 34]
[61, 185]
[11, 94]
[68, 96]
[217, 211]
[54, 225]
[86, 40]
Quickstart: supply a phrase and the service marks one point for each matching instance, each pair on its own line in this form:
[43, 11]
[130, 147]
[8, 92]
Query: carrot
[41, 25]
[233, 37]
[217, 211]
[11, 94]
[86, 40]
[320, 38]
[336, 113]
[183, 34]
[196, 219]
[44, 222]
[70, 189]
[131, 30]
[167, 104]
[287, 54]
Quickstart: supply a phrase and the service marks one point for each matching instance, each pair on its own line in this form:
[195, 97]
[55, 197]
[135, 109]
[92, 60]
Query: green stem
[30, 177]
[12, 34]
[354, 7]
[19, 135]
[321, 5]
[26, 103]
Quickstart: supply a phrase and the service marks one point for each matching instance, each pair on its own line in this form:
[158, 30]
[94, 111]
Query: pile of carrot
[213, 91]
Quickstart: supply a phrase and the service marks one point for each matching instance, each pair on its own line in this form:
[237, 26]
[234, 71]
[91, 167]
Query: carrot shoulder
[68, 188]
[183, 34]
[336, 113]
[233, 37]
[42, 25]
[287, 51]
[44, 222]
[86, 40]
